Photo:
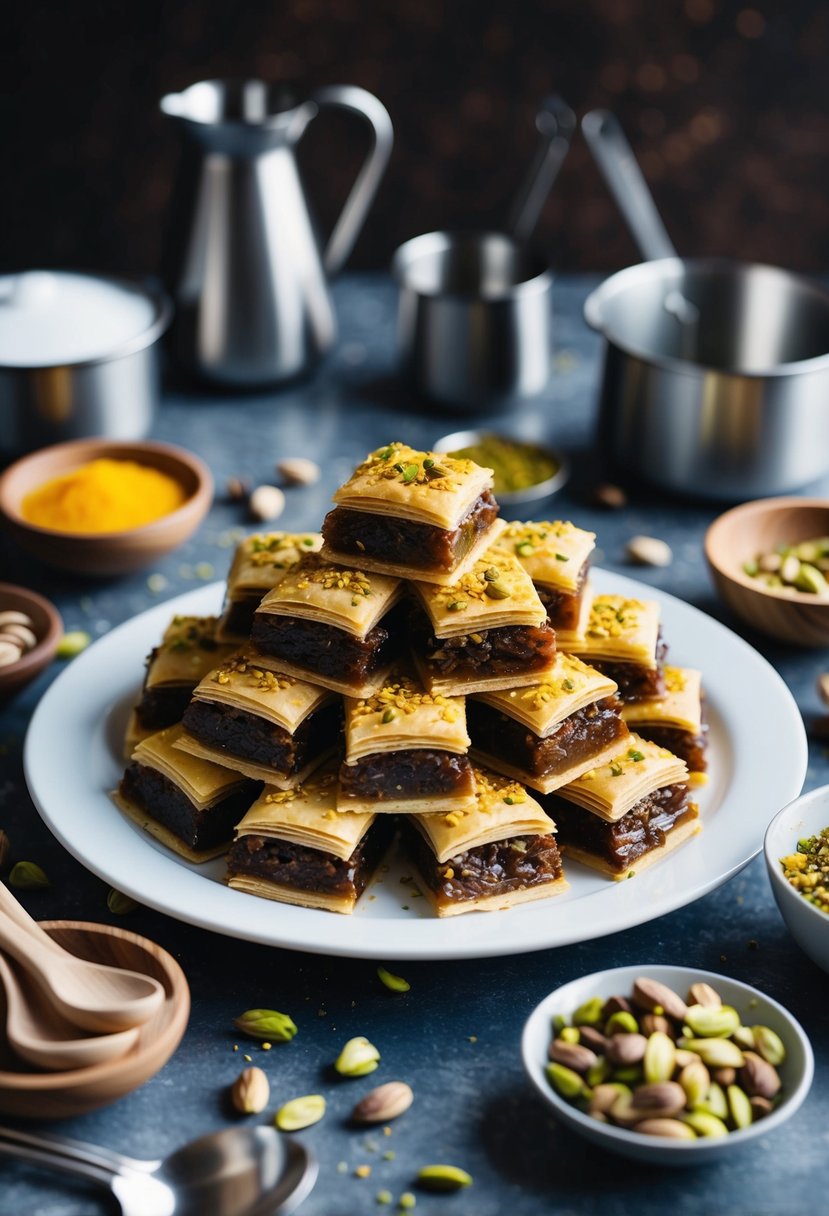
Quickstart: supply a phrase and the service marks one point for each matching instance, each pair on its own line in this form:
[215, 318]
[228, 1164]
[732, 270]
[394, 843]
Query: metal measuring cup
[474, 313]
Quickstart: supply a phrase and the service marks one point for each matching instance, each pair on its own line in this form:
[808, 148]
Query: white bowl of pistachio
[797, 861]
[667, 1064]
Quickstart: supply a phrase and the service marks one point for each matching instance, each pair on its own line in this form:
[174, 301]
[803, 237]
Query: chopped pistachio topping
[240, 671]
[399, 462]
[404, 695]
[613, 616]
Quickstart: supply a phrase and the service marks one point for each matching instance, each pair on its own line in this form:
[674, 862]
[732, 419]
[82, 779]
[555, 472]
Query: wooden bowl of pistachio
[769, 560]
[665, 1064]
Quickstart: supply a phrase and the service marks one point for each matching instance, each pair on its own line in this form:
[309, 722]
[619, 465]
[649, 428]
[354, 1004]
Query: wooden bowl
[758, 527]
[105, 553]
[47, 627]
[26, 1093]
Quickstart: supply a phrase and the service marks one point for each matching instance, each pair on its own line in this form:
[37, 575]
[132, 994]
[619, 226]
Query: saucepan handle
[353, 214]
[624, 179]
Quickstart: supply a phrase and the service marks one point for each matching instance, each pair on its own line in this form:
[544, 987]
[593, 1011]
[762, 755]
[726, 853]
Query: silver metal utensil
[716, 372]
[240, 1171]
[474, 314]
[242, 262]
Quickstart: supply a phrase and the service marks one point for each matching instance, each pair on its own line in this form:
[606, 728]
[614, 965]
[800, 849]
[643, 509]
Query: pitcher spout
[227, 112]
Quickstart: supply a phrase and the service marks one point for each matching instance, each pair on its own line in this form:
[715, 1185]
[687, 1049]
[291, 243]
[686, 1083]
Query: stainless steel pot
[716, 372]
[474, 321]
[102, 377]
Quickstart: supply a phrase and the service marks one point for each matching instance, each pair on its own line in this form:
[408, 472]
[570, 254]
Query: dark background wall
[726, 104]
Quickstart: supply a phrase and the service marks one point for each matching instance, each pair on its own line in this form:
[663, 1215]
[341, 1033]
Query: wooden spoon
[39, 1035]
[90, 995]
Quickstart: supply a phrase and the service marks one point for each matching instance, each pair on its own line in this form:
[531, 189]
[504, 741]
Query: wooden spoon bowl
[742, 533]
[25, 1093]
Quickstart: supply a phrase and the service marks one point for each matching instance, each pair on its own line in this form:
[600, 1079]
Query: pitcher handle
[358, 101]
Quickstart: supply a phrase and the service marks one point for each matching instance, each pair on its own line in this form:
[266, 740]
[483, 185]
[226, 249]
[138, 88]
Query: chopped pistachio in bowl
[755, 1010]
[806, 817]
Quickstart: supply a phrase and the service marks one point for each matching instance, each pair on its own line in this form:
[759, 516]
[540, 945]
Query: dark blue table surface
[455, 1035]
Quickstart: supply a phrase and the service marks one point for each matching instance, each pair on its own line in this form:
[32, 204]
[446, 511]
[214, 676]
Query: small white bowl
[754, 1008]
[806, 816]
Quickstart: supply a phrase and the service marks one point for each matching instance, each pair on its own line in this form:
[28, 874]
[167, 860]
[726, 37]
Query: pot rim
[140, 341]
[622, 278]
[439, 242]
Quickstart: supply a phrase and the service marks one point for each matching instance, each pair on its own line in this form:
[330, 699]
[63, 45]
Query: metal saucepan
[474, 317]
[716, 375]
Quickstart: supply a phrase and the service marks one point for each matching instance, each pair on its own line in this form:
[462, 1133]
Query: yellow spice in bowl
[103, 496]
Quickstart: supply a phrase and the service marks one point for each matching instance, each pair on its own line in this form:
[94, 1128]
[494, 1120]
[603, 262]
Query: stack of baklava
[420, 668]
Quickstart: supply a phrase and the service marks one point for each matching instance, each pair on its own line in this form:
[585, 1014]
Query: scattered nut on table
[383, 1103]
[611, 497]
[250, 1092]
[298, 471]
[266, 503]
[649, 551]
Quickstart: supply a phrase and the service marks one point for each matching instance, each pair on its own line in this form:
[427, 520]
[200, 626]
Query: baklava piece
[488, 630]
[624, 816]
[271, 727]
[556, 555]
[621, 637]
[550, 733]
[331, 625]
[189, 804]
[293, 847]
[411, 514]
[500, 853]
[405, 751]
[677, 720]
[188, 650]
[259, 564]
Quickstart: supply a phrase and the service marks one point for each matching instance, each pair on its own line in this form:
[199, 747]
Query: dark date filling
[163, 706]
[513, 650]
[200, 828]
[646, 825]
[404, 542]
[418, 773]
[689, 747]
[563, 607]
[294, 865]
[327, 651]
[585, 733]
[637, 683]
[248, 737]
[490, 869]
[237, 618]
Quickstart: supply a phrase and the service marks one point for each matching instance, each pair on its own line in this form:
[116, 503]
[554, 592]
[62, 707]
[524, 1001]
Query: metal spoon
[39, 1035]
[241, 1171]
[91, 995]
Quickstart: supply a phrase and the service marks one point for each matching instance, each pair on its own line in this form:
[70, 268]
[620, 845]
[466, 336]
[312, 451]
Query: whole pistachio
[655, 997]
[743, 1036]
[616, 1004]
[717, 1053]
[599, 1072]
[623, 1111]
[695, 1081]
[739, 1107]
[572, 1055]
[660, 1058]
[590, 1037]
[714, 1102]
[590, 1013]
[656, 1023]
[383, 1103]
[266, 1024]
[712, 1021]
[298, 471]
[704, 994]
[28, 875]
[357, 1058]
[769, 1045]
[672, 1129]
[443, 1178]
[759, 1078]
[665, 1098]
[626, 1049]
[565, 1081]
[621, 1022]
[605, 1095]
[705, 1125]
[300, 1112]
[250, 1092]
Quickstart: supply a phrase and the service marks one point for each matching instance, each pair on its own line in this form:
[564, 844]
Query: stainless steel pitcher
[242, 261]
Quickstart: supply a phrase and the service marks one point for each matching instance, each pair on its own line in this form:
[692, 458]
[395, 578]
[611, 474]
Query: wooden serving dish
[26, 1093]
[757, 527]
[48, 628]
[105, 553]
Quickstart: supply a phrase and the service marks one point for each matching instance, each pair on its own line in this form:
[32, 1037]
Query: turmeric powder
[103, 496]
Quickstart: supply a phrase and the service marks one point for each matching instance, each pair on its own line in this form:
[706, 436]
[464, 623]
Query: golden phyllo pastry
[499, 853]
[270, 726]
[681, 706]
[610, 790]
[293, 847]
[259, 564]
[616, 628]
[344, 598]
[552, 552]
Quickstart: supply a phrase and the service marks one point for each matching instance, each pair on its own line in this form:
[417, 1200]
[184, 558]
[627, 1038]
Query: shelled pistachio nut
[564, 1080]
[357, 1058]
[716, 1053]
[704, 994]
[300, 1112]
[739, 1107]
[769, 1045]
[659, 1060]
[443, 1178]
[712, 1022]
[250, 1092]
[695, 1080]
[705, 1125]
[714, 1102]
[671, 1129]
[267, 1024]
